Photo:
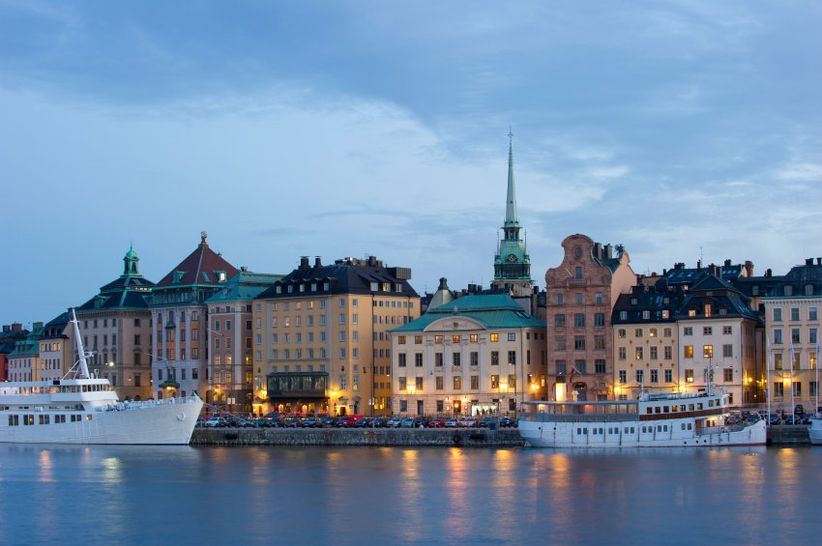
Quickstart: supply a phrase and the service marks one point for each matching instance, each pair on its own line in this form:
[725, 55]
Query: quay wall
[784, 435]
[380, 437]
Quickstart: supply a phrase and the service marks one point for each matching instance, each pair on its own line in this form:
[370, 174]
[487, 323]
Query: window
[580, 366]
[599, 320]
[418, 382]
[654, 353]
[707, 351]
[512, 357]
[640, 376]
[559, 321]
[599, 343]
[418, 360]
[561, 366]
[599, 365]
[402, 360]
[813, 388]
[577, 272]
[598, 298]
[494, 381]
[494, 337]
[439, 380]
[473, 338]
[813, 313]
[621, 332]
[457, 382]
[512, 336]
[727, 330]
[622, 353]
[638, 353]
[495, 358]
[623, 376]
[474, 358]
[654, 376]
[689, 375]
[707, 330]
[812, 335]
[668, 353]
[669, 376]
[579, 320]
[638, 332]
[559, 299]
[794, 314]
[777, 335]
[402, 381]
[728, 375]
[579, 343]
[727, 350]
[688, 331]
[652, 332]
[456, 359]
[474, 382]
[778, 389]
[438, 360]
[797, 389]
[777, 361]
[795, 335]
[777, 314]
[579, 298]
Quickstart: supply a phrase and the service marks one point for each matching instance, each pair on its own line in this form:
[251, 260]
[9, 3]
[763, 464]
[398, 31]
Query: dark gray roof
[643, 299]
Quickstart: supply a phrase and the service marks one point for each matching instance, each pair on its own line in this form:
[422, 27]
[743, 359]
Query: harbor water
[269, 495]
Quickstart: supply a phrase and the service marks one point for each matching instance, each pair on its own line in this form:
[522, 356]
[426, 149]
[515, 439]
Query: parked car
[408, 422]
[327, 421]
[467, 422]
[394, 422]
[773, 419]
[378, 422]
[435, 423]
[793, 420]
[213, 422]
[309, 422]
[507, 422]
[799, 410]
[452, 423]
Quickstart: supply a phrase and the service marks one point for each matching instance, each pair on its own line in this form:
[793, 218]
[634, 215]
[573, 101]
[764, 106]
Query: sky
[678, 129]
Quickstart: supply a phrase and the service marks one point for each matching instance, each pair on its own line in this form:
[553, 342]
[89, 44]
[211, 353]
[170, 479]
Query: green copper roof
[490, 310]
[245, 285]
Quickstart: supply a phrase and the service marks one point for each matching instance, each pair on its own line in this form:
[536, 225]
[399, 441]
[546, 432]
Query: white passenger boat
[85, 410]
[653, 420]
[815, 430]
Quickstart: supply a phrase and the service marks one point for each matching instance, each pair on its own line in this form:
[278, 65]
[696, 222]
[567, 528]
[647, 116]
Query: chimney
[6, 328]
[819, 261]
[749, 268]
[36, 325]
[699, 265]
[303, 262]
[808, 261]
[728, 263]
[714, 270]
[16, 327]
[444, 284]
[609, 251]
[317, 261]
[768, 272]
[598, 251]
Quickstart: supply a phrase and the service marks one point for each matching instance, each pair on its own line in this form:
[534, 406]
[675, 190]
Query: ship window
[88, 417]
[690, 407]
[665, 428]
[649, 410]
[683, 426]
[710, 403]
[659, 428]
[666, 409]
[699, 406]
[657, 409]
[690, 427]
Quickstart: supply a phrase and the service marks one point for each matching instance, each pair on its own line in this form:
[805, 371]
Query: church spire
[511, 201]
[130, 262]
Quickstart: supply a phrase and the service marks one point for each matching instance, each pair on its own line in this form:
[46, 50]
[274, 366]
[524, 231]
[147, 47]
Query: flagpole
[768, 378]
[793, 405]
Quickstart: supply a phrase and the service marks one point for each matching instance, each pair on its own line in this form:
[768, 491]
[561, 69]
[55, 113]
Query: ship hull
[609, 434]
[135, 424]
[815, 431]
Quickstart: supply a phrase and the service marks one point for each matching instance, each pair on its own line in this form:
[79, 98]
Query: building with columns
[180, 322]
[230, 321]
[321, 337]
[581, 294]
[116, 326]
[478, 354]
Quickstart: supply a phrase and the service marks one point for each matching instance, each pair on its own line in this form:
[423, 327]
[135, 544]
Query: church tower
[512, 265]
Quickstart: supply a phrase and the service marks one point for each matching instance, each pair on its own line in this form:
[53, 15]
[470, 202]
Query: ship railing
[580, 418]
[128, 406]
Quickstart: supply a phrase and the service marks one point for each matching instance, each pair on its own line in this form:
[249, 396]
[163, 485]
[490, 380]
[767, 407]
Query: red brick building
[582, 292]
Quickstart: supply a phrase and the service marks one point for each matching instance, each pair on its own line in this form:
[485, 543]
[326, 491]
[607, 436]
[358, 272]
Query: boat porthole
[181, 416]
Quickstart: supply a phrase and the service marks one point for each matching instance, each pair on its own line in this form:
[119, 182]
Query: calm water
[230, 496]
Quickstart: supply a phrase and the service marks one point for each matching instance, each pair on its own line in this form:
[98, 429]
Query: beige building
[476, 355]
[24, 360]
[645, 334]
[321, 337]
[718, 335]
[230, 323]
[56, 349]
[116, 328]
[581, 294]
[792, 308]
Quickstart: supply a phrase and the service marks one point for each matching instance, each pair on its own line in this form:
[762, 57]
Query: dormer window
[707, 309]
[375, 286]
[290, 288]
[279, 290]
[691, 312]
[178, 276]
[313, 287]
[788, 290]
[326, 287]
[302, 288]
[221, 276]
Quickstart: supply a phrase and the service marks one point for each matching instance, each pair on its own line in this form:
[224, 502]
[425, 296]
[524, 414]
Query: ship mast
[81, 351]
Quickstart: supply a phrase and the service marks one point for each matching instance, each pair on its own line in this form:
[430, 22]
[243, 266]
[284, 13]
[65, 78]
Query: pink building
[582, 292]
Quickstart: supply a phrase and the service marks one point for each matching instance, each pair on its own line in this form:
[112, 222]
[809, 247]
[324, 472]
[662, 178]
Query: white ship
[654, 420]
[86, 410]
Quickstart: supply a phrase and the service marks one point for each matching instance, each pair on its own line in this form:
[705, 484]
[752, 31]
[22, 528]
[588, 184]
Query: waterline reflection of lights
[112, 470]
[457, 526]
[46, 466]
[412, 492]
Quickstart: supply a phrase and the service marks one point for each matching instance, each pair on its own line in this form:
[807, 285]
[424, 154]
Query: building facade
[645, 341]
[717, 332]
[478, 354]
[581, 294]
[116, 327]
[792, 325]
[24, 360]
[10, 335]
[230, 323]
[180, 322]
[321, 337]
[56, 348]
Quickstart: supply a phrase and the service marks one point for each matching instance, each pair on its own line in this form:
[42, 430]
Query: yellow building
[321, 337]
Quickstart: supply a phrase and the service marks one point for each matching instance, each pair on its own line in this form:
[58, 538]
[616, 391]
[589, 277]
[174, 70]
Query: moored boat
[653, 420]
[86, 410]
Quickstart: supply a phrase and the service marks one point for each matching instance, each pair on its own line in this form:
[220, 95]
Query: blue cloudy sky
[352, 128]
